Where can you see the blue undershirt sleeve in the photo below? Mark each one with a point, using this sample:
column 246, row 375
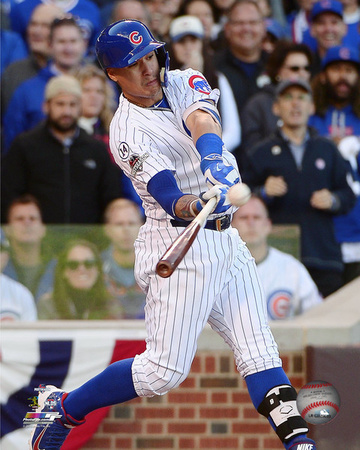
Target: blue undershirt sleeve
column 164, row 189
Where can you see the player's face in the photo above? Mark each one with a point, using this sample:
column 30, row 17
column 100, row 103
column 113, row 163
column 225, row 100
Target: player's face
column 296, row 65
column 93, row 97
column 342, row 79
column 63, row 112
column 245, row 29
column 81, row 270
column 68, row 47
column 294, row 106
column 25, row 224
column 140, row 82
column 328, row 29
column 252, row 222
column 122, row 228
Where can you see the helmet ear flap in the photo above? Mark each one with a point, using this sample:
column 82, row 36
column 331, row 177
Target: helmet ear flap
column 164, row 63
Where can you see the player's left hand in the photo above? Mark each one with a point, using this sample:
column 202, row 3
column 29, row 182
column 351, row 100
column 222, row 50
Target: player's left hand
column 220, row 192
column 217, row 172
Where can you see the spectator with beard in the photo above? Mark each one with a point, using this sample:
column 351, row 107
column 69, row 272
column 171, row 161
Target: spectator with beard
column 337, row 105
column 24, row 109
column 68, row 171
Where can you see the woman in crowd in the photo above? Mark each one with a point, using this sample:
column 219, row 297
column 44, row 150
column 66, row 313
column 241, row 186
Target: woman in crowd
column 288, row 60
column 79, row 289
column 97, row 102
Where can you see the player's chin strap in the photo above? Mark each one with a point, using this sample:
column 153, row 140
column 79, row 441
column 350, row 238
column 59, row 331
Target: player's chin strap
column 279, row 405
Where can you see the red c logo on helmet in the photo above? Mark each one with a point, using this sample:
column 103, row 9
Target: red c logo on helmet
column 135, row 38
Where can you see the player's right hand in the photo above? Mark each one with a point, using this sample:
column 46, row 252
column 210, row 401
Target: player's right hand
column 217, row 172
column 220, row 192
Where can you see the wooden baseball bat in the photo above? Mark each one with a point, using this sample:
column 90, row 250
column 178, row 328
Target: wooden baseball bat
column 178, row 249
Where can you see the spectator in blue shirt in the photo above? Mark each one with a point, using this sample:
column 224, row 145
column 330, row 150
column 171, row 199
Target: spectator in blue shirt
column 25, row 108
column 337, row 102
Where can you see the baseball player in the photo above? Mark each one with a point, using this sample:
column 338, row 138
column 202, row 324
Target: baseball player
column 166, row 136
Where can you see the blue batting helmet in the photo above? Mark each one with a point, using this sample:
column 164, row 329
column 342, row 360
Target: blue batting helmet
column 124, row 42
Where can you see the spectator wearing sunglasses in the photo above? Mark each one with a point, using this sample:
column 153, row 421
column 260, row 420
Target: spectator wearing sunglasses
column 288, row 60
column 79, row 289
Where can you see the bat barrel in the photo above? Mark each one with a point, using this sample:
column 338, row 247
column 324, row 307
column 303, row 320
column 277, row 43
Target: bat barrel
column 164, row 268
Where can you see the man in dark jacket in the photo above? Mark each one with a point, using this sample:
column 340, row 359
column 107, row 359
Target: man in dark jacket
column 243, row 60
column 303, row 179
column 68, row 171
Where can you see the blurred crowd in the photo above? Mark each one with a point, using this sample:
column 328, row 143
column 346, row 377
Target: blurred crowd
column 289, row 76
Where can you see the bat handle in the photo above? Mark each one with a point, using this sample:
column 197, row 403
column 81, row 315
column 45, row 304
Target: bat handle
column 201, row 218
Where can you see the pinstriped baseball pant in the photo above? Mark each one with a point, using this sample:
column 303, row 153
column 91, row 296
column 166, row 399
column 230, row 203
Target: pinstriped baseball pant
column 216, row 282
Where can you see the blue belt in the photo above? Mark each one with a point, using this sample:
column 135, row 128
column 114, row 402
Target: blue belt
column 219, row 224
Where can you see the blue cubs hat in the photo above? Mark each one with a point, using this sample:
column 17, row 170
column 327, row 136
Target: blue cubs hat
column 341, row 53
column 323, row 6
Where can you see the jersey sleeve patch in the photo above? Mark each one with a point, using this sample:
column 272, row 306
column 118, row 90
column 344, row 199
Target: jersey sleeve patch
column 199, row 84
column 136, row 162
column 123, row 151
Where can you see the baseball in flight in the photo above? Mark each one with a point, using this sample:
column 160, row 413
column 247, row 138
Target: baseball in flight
column 239, row 194
column 318, row 402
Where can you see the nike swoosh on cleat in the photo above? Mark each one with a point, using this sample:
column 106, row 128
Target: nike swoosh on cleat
column 38, row 439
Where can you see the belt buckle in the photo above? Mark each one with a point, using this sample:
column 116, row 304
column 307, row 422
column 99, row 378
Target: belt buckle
column 222, row 223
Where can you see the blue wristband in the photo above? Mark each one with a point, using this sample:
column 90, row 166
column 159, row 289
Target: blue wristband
column 208, row 144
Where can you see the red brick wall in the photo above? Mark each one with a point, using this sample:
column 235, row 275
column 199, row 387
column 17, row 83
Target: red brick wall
column 210, row 410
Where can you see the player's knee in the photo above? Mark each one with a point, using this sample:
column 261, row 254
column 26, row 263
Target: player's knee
column 154, row 379
column 168, row 381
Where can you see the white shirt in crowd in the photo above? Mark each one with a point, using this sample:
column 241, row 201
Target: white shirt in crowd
column 17, row 302
column 289, row 289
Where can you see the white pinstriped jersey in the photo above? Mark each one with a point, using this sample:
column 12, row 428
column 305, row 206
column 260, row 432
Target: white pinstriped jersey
column 145, row 141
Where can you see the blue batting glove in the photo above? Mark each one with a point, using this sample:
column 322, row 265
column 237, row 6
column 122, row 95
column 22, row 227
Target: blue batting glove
column 218, row 191
column 216, row 171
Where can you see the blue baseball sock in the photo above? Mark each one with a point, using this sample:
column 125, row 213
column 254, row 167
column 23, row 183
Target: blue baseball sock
column 113, row 385
column 260, row 383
